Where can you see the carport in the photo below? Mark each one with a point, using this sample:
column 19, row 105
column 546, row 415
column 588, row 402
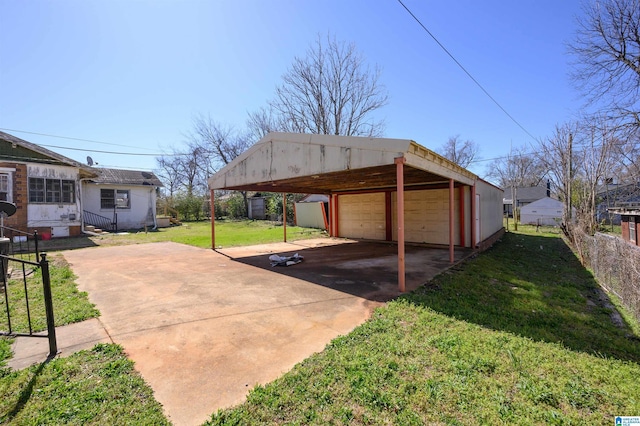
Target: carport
column 379, row 189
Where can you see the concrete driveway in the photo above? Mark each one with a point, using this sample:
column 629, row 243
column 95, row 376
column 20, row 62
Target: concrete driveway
column 204, row 327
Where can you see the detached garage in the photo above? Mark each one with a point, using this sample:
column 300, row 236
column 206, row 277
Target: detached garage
column 378, row 189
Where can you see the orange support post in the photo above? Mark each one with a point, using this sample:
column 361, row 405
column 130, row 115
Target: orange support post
column 451, row 216
column 400, row 212
column 463, row 231
column 473, row 217
column 213, row 222
column 284, row 216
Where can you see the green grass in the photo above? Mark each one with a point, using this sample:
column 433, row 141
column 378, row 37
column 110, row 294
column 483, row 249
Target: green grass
column 517, row 335
column 69, row 304
column 96, row 387
column 228, row 234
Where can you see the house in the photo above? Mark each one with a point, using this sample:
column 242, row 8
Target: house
column 378, row 189
column 312, row 211
column 612, row 195
column 43, row 185
column 545, row 211
column 120, row 199
column 55, row 195
column 524, row 195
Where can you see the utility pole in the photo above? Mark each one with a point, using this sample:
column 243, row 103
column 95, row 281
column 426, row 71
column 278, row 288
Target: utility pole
column 570, row 167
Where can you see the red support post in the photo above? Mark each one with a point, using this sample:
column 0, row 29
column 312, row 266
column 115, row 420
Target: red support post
column 451, row 216
column 400, row 213
column 463, row 231
column 213, row 222
column 284, row 216
column 473, row 217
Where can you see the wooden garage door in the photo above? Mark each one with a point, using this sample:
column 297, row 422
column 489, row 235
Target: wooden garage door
column 426, row 216
column 362, row 216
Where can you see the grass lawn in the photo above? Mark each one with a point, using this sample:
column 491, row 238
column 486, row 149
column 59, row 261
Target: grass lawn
column 518, row 335
column 228, row 234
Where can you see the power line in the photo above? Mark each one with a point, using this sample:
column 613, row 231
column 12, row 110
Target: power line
column 465, row 70
column 71, row 138
column 107, row 152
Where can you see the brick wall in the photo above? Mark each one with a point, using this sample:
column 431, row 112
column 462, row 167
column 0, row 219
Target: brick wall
column 20, row 196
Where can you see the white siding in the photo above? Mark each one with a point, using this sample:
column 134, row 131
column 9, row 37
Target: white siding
column 547, row 211
column 362, row 216
column 142, row 203
column 60, row 216
column 310, row 215
column 490, row 209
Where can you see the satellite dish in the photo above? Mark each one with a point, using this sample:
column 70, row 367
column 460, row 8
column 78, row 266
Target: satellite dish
column 7, row 208
column 89, row 161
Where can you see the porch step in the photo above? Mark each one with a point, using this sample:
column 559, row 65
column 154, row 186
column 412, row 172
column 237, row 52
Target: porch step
column 90, row 228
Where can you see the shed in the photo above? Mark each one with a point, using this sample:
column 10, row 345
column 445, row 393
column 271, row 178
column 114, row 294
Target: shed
column 545, row 211
column 378, row 188
column 630, row 219
column 312, row 211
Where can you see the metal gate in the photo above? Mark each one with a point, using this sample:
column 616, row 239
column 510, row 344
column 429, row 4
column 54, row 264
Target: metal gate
column 20, row 260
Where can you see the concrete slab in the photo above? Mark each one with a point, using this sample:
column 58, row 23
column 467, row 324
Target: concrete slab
column 204, row 327
column 70, row 339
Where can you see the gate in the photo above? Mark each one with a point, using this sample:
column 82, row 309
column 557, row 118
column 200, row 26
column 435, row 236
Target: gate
column 20, row 260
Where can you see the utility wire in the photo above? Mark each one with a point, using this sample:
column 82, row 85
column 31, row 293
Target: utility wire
column 108, row 152
column 465, row 70
column 71, row 138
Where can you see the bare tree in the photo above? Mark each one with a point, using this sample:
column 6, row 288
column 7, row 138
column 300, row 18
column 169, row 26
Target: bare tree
column 555, row 153
column 168, row 172
column 460, row 152
column 606, row 54
column 220, row 144
column 519, row 168
column 330, row 91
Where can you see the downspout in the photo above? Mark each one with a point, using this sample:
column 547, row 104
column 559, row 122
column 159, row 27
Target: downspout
column 80, row 203
column 151, row 206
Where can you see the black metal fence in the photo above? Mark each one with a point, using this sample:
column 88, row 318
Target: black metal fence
column 20, row 259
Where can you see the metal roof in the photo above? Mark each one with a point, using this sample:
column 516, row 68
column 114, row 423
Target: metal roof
column 325, row 164
column 126, row 177
column 23, row 151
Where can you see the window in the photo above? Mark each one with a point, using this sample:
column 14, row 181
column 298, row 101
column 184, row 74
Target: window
column 632, row 229
column 52, row 191
column 53, row 194
column 68, row 191
column 36, row 190
column 118, row 198
column 4, row 187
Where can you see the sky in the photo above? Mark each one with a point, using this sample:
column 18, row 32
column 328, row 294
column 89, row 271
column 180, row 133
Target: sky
column 130, row 76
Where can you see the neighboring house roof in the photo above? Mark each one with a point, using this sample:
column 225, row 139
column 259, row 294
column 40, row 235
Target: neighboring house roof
column 126, row 177
column 527, row 194
column 15, row 149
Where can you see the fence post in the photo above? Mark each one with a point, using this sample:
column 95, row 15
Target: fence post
column 48, row 304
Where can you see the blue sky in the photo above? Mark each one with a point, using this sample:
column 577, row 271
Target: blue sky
column 135, row 73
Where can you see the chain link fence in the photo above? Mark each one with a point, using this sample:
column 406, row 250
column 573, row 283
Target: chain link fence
column 615, row 264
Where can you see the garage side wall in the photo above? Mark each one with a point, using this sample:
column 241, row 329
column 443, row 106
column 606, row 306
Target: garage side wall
column 490, row 199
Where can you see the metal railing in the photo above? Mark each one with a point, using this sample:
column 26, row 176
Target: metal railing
column 13, row 285
column 20, row 242
column 100, row 222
